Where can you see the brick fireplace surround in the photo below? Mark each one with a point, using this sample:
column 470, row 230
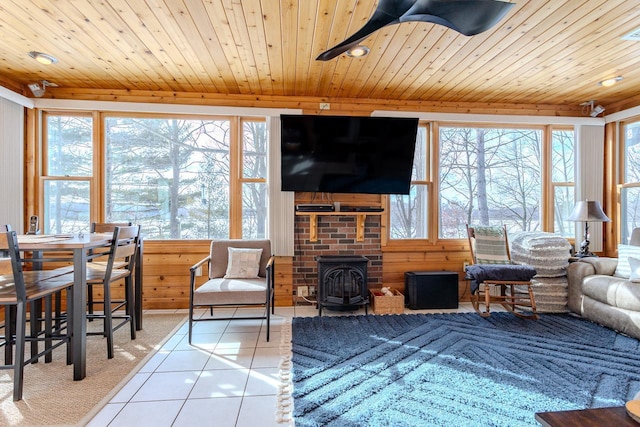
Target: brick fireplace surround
column 336, row 236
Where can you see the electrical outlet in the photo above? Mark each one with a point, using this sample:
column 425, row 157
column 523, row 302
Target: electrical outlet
column 325, row 106
column 199, row 271
column 312, row 290
column 303, row 291
column 465, row 265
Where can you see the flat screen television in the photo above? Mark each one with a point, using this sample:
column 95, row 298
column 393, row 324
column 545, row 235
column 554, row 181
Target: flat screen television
column 342, row 154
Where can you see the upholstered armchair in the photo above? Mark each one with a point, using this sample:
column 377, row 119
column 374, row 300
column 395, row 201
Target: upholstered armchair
column 240, row 273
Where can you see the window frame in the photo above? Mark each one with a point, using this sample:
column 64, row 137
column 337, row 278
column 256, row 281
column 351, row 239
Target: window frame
column 427, row 182
column 433, row 141
column 550, row 183
column 43, row 175
column 97, row 180
column 622, row 184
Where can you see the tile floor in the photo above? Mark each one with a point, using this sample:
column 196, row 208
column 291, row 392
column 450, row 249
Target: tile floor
column 227, row 377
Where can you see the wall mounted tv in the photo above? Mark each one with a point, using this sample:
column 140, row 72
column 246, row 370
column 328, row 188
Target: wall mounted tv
column 341, row 154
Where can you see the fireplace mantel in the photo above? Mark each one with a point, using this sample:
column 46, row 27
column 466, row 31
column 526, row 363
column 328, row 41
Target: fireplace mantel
column 313, row 222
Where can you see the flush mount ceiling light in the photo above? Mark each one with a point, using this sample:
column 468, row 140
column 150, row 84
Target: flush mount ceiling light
column 610, row 82
column 43, row 58
column 358, row 51
column 468, row 17
column 39, row 88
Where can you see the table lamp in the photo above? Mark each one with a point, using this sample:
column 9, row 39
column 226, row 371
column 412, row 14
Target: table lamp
column 587, row 211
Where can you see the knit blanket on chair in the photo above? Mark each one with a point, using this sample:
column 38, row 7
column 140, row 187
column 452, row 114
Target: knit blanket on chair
column 478, row 273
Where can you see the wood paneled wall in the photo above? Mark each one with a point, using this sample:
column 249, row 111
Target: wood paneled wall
column 166, row 263
column 166, row 273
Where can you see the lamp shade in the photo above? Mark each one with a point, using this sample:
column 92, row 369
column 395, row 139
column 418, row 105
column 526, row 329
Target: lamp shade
column 588, row 211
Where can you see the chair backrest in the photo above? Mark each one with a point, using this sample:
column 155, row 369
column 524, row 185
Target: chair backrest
column 220, row 255
column 107, row 227
column 489, row 245
column 123, row 248
column 11, row 266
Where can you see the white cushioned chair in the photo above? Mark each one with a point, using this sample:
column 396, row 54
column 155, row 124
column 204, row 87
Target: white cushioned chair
column 240, row 273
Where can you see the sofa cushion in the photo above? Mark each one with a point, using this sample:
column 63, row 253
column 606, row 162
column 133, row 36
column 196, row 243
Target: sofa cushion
column 634, row 264
column 613, row 291
column 624, row 252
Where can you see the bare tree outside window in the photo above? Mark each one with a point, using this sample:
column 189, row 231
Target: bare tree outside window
column 173, row 176
column 409, row 213
column 254, row 172
column 489, row 177
column 562, row 180
column 630, row 192
column 68, row 173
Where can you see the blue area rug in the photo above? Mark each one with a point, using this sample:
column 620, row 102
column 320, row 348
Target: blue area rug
column 455, row 369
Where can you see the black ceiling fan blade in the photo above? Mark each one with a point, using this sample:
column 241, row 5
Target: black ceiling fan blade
column 468, row 17
column 387, row 12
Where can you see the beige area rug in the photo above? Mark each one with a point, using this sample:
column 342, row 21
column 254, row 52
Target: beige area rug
column 52, row 398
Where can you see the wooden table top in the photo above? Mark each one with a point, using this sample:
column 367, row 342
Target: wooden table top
column 609, row 417
column 31, row 242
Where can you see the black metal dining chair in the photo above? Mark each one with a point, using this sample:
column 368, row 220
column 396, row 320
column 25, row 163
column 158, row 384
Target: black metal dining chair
column 18, row 289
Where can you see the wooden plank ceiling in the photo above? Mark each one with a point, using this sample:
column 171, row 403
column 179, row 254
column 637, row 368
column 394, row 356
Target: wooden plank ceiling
column 543, row 52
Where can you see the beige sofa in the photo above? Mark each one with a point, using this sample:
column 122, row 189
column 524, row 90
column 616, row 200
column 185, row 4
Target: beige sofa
column 596, row 294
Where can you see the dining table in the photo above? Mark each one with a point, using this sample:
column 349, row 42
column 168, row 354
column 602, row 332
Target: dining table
column 79, row 249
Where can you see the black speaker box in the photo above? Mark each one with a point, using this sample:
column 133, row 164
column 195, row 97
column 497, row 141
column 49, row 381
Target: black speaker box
column 431, row 289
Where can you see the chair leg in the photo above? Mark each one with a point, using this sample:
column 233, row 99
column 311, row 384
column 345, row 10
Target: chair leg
column 90, row 301
column 533, row 301
column 58, row 311
column 35, row 325
column 190, row 321
column 70, row 319
column 9, row 330
column 131, row 310
column 18, row 366
column 108, row 322
column 48, row 332
column 487, row 298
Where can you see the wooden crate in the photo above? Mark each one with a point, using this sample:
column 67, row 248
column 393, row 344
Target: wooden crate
column 382, row 304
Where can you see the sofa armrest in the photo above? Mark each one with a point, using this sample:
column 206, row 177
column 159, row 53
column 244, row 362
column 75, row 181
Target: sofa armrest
column 576, row 272
column 602, row 265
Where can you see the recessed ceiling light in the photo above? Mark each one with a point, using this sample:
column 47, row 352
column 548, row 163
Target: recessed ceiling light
column 43, row 58
column 358, row 51
column 633, row 35
column 610, row 82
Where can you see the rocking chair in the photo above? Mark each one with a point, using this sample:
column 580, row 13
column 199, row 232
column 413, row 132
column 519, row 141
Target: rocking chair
column 494, row 279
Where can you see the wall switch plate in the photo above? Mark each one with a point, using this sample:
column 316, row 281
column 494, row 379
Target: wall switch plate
column 325, row 106
column 312, row 290
column 199, row 271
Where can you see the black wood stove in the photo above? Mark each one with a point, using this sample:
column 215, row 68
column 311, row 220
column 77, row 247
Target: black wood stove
column 342, row 282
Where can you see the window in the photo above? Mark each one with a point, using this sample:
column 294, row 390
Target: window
column 489, row 176
column 630, row 191
column 179, row 178
column 562, row 181
column 409, row 213
column 67, row 173
column 254, row 183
